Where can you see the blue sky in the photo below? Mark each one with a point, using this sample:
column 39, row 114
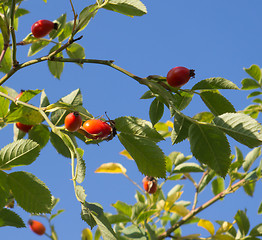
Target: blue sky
column 216, row 38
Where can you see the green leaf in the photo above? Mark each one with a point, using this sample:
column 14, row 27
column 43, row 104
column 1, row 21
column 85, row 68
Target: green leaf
column 30, row 193
column 181, row 100
column 9, row 218
column 148, row 156
column 249, row 84
column 123, row 208
column 94, row 212
column 61, row 23
column 180, row 130
column 206, row 179
column 74, row 98
column 216, row 103
column 135, row 232
column 4, row 189
column 4, row 30
column 137, row 127
column 206, row 117
column 85, row 16
column 215, row 83
column 218, row 185
column 241, row 127
column 188, row 167
column 250, row 188
column 67, row 30
column 44, row 102
column 80, row 193
column 56, row 68
column 80, row 166
column 254, row 94
column 24, row 115
column 118, row 218
column 56, row 214
column 37, row 46
column 4, row 103
column 127, row 7
column 256, row 231
column 147, row 95
column 59, row 144
column 242, row 222
column 156, row 111
column 76, row 51
column 251, row 157
column 6, row 63
column 210, row 146
column 143, row 216
column 259, row 211
column 254, row 71
column 137, row 209
column 18, row 153
column 151, row 231
column 39, row 134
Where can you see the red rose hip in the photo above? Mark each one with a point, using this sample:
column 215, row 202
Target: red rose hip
column 150, row 184
column 73, row 121
column 179, row 76
column 36, row 227
column 42, row 27
column 23, row 127
column 97, row 127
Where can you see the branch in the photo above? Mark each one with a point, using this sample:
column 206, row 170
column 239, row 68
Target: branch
column 12, row 16
column 193, row 212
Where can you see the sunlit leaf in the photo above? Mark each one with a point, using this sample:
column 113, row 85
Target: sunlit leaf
column 215, row 83
column 111, row 168
column 207, row 225
column 126, row 154
column 254, row 71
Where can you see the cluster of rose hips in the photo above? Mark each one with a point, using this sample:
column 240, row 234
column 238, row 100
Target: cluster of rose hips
column 92, row 128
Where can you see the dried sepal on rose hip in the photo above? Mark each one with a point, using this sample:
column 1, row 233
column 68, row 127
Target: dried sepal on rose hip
column 150, row 184
column 73, row 121
column 42, row 27
column 179, row 76
column 36, row 226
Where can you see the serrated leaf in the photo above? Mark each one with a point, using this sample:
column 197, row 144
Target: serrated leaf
column 251, row 157
column 76, row 51
column 4, row 103
column 10, row 218
column 156, row 111
column 242, row 222
column 127, row 7
column 210, row 146
column 137, row 127
column 96, row 213
column 207, row 225
column 123, row 208
column 218, row 185
column 30, row 192
column 59, row 144
column 206, row 117
column 180, row 130
column 39, row 134
column 241, row 127
column 80, row 165
column 181, row 100
column 74, row 98
column 37, row 46
column 80, row 193
column 249, row 84
column 148, row 156
column 61, row 23
column 188, row 167
column 214, row 83
column 111, row 168
column 56, row 68
column 254, row 71
column 44, row 102
column 216, row 103
column 18, row 153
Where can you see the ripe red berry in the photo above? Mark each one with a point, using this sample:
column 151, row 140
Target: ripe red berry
column 23, row 127
column 19, row 95
column 97, row 127
column 36, row 227
column 42, row 27
column 73, row 121
column 150, row 184
column 179, row 76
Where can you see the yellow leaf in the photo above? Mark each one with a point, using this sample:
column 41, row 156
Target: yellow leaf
column 111, row 168
column 169, row 124
column 225, row 226
column 207, row 225
column 179, row 209
column 223, row 237
column 86, row 234
column 126, row 154
column 171, row 199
